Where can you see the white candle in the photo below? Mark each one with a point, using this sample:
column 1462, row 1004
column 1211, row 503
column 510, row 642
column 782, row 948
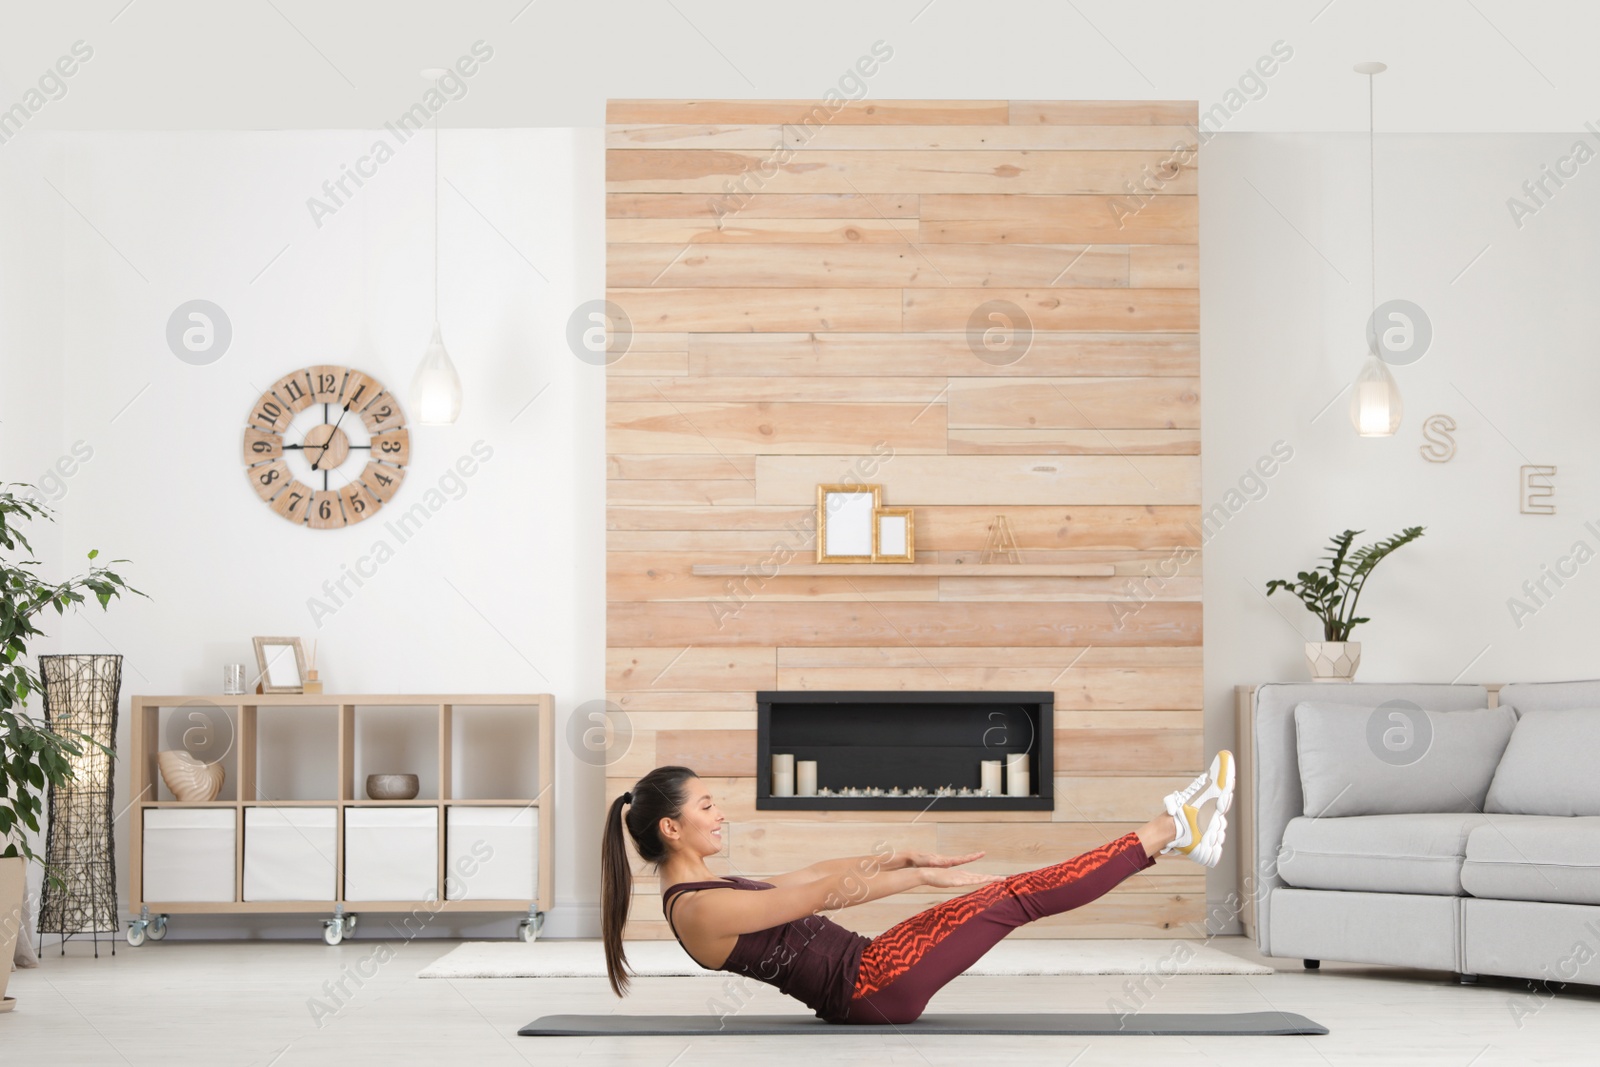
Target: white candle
column 783, row 785
column 782, row 763
column 1017, row 784
column 806, row 777
column 989, row 771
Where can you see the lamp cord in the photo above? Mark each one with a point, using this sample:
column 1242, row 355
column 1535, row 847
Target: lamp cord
column 436, row 219
column 1372, row 194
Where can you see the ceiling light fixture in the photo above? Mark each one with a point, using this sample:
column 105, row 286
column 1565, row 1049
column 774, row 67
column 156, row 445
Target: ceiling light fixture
column 436, row 387
column 1375, row 406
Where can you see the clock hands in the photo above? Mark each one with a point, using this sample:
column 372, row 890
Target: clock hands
column 329, row 441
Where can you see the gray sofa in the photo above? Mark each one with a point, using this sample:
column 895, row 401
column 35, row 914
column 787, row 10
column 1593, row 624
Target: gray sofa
column 1481, row 856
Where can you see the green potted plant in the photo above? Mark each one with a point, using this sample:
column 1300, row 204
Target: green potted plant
column 1330, row 591
column 33, row 757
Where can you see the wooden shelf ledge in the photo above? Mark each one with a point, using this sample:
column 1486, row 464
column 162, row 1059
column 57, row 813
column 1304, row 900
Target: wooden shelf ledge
column 924, row 570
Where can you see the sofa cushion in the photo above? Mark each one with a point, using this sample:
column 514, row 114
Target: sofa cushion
column 1396, row 759
column 1546, row 768
column 1534, row 857
column 1419, row 853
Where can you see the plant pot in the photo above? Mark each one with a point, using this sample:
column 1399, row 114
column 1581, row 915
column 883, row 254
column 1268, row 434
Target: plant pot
column 1333, row 661
column 13, row 885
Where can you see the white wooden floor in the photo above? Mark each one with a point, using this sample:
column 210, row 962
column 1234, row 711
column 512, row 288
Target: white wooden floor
column 208, row 1003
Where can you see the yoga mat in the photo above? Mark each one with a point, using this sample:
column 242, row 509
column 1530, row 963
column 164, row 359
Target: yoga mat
column 1250, row 1023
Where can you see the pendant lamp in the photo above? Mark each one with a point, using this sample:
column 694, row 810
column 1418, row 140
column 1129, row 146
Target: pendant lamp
column 436, row 387
column 1375, row 406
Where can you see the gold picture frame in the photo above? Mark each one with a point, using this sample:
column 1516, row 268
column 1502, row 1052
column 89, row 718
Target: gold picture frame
column 847, row 523
column 894, row 535
column 275, row 673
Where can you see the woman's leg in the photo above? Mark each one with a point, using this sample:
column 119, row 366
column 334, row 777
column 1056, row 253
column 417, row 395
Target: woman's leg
column 907, row 964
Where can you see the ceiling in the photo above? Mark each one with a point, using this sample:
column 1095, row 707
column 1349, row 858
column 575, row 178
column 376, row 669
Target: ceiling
column 1454, row 65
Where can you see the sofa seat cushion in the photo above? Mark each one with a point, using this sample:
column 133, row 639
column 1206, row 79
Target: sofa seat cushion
column 1419, row 853
column 1550, row 858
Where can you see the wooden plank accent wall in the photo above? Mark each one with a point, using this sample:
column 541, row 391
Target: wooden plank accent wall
column 799, row 293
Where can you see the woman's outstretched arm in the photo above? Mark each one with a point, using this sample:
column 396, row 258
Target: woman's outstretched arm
column 731, row 912
column 895, row 860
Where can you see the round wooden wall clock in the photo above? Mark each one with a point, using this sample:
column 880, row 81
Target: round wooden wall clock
column 326, row 446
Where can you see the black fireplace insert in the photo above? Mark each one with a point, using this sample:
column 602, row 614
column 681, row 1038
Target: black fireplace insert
column 906, row 751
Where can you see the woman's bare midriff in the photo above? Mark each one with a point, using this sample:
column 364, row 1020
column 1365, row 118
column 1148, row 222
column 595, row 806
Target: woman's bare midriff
column 709, row 952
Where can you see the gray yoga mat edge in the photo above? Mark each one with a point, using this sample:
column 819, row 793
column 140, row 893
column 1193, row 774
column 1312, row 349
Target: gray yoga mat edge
column 1254, row 1023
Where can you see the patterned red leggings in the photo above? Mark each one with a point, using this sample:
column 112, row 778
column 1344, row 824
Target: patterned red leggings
column 907, row 964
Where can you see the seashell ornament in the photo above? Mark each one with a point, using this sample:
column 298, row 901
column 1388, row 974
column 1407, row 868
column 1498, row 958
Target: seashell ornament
column 189, row 779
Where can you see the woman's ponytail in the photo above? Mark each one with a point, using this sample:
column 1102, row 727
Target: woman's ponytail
column 659, row 795
column 616, row 887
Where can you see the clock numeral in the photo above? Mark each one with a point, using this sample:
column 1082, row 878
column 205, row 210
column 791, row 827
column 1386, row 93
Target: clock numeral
column 392, row 447
column 326, row 514
column 358, row 503
column 291, row 389
column 270, row 414
column 382, row 414
column 260, row 446
column 327, row 383
column 293, row 502
column 270, row 478
column 382, row 480
column 359, row 391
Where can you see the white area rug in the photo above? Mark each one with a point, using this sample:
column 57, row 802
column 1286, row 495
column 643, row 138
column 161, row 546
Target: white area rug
column 585, row 959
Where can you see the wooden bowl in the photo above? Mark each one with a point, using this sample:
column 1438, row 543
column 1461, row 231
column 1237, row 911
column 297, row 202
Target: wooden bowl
column 391, row 786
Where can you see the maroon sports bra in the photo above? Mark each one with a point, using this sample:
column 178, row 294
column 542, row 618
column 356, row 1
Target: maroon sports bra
column 813, row 959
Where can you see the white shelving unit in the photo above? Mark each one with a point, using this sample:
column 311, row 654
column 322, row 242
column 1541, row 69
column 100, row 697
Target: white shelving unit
column 199, row 840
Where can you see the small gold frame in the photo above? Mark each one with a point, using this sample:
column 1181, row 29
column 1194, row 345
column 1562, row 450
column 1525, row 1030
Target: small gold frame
column 855, row 523
column 883, row 552
column 262, row 664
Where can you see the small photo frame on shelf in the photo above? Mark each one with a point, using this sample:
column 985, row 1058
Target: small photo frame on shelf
column 893, row 536
column 281, row 662
column 845, row 525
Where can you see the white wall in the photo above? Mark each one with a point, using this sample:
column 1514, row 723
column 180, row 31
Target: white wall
column 495, row 593
column 1513, row 361
column 1284, row 300
column 194, row 64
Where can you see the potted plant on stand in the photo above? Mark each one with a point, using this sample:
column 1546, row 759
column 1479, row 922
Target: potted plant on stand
column 1330, row 592
column 33, row 757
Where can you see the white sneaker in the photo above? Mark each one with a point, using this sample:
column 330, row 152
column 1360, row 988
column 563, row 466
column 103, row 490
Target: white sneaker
column 1203, row 846
column 1217, row 783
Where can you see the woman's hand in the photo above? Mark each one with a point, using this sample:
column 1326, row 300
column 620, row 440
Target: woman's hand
column 945, row 878
column 933, row 859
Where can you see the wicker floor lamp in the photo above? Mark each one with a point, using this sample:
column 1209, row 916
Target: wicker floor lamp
column 80, row 694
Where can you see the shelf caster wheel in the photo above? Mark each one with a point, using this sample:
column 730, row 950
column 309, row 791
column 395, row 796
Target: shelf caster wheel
column 158, row 928
column 350, row 924
column 1312, row 965
column 333, row 931
column 136, row 932
column 528, row 929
